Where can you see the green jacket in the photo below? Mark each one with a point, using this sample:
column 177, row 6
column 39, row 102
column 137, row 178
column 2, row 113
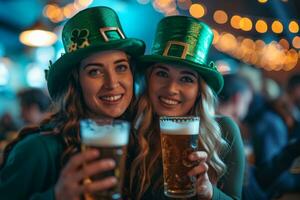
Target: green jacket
column 32, row 169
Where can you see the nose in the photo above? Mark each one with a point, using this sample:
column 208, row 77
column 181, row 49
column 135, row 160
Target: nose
column 111, row 81
column 172, row 87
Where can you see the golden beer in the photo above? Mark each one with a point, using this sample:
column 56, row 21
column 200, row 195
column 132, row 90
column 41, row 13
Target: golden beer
column 179, row 138
column 111, row 141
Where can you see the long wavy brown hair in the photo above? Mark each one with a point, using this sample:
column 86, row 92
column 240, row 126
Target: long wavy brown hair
column 68, row 108
column 147, row 161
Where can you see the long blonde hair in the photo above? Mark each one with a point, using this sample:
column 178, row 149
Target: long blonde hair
column 147, row 159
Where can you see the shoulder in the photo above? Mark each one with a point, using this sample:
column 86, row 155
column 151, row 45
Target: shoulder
column 37, row 147
column 31, row 167
column 229, row 128
column 271, row 115
column 39, row 141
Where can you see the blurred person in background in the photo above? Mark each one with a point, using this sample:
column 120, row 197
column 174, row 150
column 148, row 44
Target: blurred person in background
column 272, row 125
column 34, row 105
column 7, row 125
column 289, row 106
column 235, row 97
column 234, row 101
column 236, row 94
column 8, row 131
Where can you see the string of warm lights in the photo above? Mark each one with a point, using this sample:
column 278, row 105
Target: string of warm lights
column 273, row 56
column 56, row 14
column 253, row 52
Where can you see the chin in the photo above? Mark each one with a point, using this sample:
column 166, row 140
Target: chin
column 170, row 114
column 115, row 114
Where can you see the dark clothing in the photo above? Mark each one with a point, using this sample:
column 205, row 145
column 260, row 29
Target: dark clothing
column 32, row 169
column 251, row 188
column 269, row 135
column 268, row 130
column 230, row 185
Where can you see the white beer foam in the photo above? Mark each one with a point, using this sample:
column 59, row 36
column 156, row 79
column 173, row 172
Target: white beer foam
column 176, row 126
column 104, row 135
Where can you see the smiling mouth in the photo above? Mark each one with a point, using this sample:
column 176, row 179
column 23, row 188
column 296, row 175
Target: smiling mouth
column 111, row 98
column 169, row 102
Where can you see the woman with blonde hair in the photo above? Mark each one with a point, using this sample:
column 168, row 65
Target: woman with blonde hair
column 179, row 82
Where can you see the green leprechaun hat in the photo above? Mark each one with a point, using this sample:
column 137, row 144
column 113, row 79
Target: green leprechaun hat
column 91, row 30
column 185, row 41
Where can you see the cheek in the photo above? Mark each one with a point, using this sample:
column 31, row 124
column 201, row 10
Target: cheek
column 191, row 93
column 90, row 87
column 127, row 82
column 153, row 89
column 155, row 84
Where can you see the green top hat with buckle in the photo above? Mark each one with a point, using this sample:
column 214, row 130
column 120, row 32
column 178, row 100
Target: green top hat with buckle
column 185, row 41
column 91, row 30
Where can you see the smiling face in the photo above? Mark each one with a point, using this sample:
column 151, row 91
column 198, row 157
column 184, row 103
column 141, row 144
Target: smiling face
column 173, row 90
column 107, row 83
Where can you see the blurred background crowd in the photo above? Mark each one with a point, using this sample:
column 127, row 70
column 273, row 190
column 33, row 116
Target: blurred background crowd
column 256, row 46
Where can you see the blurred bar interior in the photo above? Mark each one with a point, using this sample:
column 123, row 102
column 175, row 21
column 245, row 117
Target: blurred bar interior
column 260, row 34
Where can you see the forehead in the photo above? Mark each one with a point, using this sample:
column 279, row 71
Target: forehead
column 105, row 56
column 174, row 67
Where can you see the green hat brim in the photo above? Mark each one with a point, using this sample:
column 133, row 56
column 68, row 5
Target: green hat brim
column 60, row 70
column 213, row 78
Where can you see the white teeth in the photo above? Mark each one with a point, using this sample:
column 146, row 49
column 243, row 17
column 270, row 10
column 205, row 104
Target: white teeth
column 111, row 98
column 169, row 101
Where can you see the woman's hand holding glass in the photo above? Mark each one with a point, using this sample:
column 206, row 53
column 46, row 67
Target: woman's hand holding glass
column 203, row 185
column 71, row 184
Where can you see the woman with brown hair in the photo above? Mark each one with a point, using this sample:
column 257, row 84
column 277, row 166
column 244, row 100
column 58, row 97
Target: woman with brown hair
column 92, row 79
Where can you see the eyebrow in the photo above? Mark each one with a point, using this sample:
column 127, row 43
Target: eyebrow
column 161, row 67
column 189, row 73
column 101, row 65
column 121, row 60
column 181, row 72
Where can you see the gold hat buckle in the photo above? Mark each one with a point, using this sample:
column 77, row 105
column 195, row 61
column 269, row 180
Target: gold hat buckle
column 105, row 29
column 183, row 44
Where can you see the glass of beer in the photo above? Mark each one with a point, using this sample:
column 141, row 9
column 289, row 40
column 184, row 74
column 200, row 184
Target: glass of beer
column 179, row 138
column 110, row 137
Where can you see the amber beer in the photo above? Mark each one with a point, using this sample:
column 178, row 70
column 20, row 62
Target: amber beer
column 110, row 138
column 179, row 138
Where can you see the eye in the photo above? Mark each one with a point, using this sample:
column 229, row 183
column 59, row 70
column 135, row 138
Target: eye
column 187, row 79
column 122, row 68
column 161, row 73
column 95, row 72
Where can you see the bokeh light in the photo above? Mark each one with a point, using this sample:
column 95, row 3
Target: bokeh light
column 262, row 1
column 4, row 75
column 293, row 27
column 277, row 27
column 197, row 10
column 261, row 26
column 246, row 24
column 220, row 17
column 235, row 21
column 296, row 42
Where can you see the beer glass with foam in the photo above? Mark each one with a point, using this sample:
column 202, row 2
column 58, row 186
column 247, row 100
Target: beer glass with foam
column 110, row 137
column 179, row 138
